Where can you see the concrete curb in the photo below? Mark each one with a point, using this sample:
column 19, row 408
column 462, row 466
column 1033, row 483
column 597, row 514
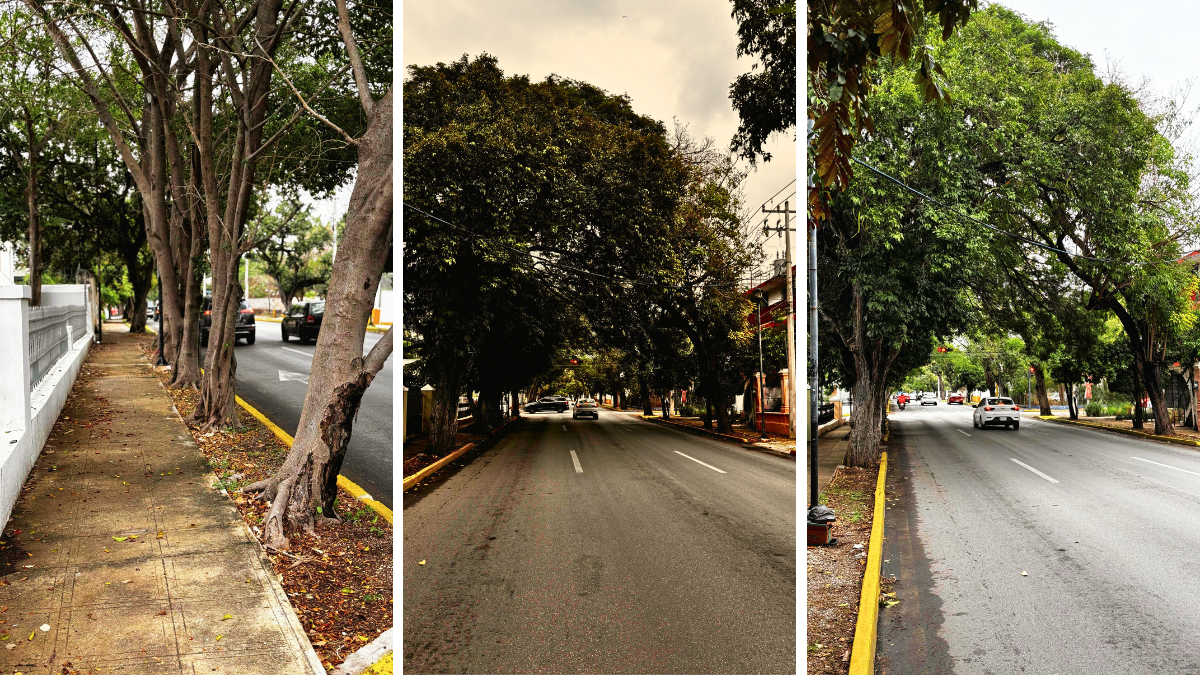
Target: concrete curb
column 1127, row 432
column 727, row 437
column 436, row 466
column 343, row 482
column 862, row 653
column 373, row 659
column 830, row 426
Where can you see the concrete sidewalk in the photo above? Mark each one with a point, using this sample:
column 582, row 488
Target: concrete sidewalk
column 831, row 452
column 120, row 556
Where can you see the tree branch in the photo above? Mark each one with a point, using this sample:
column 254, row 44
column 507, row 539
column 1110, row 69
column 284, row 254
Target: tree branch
column 360, row 74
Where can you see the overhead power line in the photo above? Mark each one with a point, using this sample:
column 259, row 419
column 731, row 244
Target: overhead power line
column 1011, row 235
column 560, row 265
column 780, row 190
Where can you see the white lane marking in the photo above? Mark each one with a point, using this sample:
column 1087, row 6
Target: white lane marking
column 286, row 376
column 699, row 462
column 962, row 432
column 1166, row 465
column 1042, row 433
column 297, row 351
column 1033, row 469
column 578, row 466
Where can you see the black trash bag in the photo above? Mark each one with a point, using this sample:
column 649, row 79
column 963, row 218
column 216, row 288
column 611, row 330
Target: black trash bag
column 821, row 514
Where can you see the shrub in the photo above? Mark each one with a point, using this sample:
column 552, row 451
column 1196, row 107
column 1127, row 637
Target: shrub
column 1094, row 409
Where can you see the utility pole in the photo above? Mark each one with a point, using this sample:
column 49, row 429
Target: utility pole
column 789, row 305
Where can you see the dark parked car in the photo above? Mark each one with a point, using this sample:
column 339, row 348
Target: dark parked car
column 303, row 321
column 586, row 406
column 554, row 403
column 242, row 328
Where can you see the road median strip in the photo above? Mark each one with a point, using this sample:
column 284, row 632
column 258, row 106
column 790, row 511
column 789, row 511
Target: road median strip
column 1119, row 430
column 412, row 480
column 706, row 432
column 862, row 653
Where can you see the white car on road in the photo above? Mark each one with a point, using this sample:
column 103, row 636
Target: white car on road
column 997, row 411
column 929, row 398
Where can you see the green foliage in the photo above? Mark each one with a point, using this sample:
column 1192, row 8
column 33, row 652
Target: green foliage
column 764, row 99
column 297, row 253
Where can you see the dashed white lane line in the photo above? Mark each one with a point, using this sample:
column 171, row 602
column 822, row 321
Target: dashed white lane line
column 699, row 462
column 962, row 432
column 1166, row 465
column 564, row 427
column 578, row 466
column 297, row 351
column 1033, row 470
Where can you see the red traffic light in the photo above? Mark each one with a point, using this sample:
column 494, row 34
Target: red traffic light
column 574, row 362
column 944, row 349
column 1031, row 369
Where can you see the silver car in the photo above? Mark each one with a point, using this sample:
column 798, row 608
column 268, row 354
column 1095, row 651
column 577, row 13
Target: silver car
column 586, row 406
column 996, row 411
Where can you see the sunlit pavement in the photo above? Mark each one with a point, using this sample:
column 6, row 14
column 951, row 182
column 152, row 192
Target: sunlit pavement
column 1052, row 549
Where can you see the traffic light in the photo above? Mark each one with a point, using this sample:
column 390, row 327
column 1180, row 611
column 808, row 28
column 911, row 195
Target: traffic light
column 944, row 349
column 1031, row 369
column 574, row 361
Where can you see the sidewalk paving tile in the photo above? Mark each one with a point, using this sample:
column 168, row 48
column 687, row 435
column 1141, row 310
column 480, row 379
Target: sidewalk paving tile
column 126, row 552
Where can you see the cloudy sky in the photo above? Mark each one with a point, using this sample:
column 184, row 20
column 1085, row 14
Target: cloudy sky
column 675, row 59
column 1145, row 40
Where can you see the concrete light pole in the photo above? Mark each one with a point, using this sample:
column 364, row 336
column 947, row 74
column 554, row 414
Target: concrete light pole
column 789, row 306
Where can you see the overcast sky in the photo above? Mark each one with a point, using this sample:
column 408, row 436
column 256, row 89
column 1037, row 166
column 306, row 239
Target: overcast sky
column 675, row 59
column 1143, row 39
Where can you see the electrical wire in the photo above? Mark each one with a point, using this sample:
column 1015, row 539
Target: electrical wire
column 560, row 265
column 780, row 190
column 1011, row 235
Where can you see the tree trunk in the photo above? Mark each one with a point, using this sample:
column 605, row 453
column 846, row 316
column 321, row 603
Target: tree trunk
column 1137, row 397
column 666, row 404
column 867, row 418
column 307, row 482
column 1043, row 397
column 1158, row 398
column 35, row 228
column 1072, row 408
column 990, row 379
column 490, row 416
column 647, row 409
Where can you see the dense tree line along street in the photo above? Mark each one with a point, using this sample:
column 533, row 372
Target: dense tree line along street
column 566, row 250
column 1000, row 220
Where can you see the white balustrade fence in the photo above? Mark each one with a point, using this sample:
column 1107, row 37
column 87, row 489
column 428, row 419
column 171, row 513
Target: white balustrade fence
column 52, row 331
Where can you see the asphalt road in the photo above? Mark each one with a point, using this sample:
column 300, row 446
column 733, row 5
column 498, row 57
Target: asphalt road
column 272, row 376
column 1053, row 549
column 614, row 545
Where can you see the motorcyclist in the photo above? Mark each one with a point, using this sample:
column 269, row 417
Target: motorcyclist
column 901, row 400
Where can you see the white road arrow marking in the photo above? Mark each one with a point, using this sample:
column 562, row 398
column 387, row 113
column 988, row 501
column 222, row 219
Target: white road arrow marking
column 699, row 462
column 578, row 466
column 1166, row 465
column 1033, row 470
column 285, row 376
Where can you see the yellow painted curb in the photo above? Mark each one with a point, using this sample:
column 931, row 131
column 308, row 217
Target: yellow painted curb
column 413, row 479
column 1127, row 432
column 382, row 667
column 343, row 482
column 862, row 654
